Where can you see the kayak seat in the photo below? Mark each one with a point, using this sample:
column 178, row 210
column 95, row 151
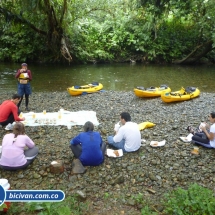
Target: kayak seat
column 77, row 87
column 190, row 89
column 95, row 83
column 140, row 88
column 151, row 89
column 163, row 86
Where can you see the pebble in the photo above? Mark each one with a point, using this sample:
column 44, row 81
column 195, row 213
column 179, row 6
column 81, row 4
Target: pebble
column 81, row 194
column 36, row 176
column 77, row 167
column 152, row 177
column 120, row 179
column 20, row 176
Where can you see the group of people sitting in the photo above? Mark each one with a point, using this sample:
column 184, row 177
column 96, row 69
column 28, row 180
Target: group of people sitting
column 14, row 154
column 87, row 146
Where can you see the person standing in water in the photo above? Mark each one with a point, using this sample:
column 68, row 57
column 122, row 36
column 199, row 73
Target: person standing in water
column 24, row 77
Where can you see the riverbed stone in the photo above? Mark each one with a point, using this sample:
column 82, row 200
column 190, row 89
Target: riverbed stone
column 77, row 167
column 57, row 167
column 81, row 194
column 152, row 177
column 20, row 176
column 36, row 176
column 120, row 179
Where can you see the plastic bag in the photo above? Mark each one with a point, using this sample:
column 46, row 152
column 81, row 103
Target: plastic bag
column 144, row 125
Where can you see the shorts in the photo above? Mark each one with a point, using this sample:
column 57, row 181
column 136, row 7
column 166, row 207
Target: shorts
column 24, row 89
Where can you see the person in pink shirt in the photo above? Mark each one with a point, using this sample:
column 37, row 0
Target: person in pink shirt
column 14, row 156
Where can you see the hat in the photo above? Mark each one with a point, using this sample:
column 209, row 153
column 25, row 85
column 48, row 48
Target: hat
column 24, row 64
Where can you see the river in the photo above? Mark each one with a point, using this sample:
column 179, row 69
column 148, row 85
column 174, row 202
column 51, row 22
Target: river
column 119, row 77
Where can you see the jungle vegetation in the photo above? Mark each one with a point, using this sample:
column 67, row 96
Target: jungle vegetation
column 83, row 31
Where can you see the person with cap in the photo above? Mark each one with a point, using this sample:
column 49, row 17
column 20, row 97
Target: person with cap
column 24, row 77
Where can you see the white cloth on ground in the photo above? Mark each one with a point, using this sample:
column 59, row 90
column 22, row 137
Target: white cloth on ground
column 67, row 118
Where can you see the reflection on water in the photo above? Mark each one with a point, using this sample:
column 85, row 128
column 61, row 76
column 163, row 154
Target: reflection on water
column 112, row 76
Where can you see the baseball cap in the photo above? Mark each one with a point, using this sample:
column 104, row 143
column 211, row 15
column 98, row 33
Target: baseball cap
column 24, row 64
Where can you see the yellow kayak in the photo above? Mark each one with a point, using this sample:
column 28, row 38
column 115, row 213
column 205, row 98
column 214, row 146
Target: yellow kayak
column 89, row 88
column 181, row 95
column 152, row 91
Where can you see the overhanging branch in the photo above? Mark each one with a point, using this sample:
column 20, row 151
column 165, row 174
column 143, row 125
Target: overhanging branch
column 17, row 18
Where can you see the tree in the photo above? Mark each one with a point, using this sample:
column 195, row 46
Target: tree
column 200, row 15
column 113, row 30
column 46, row 17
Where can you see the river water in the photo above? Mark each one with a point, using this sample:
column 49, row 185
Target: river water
column 51, row 77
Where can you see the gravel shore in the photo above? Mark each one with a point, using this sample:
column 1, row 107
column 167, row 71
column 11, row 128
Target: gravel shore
column 157, row 169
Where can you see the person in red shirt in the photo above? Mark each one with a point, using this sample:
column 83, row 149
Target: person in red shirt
column 9, row 111
column 24, row 77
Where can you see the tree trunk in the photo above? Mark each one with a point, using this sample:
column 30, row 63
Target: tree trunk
column 199, row 52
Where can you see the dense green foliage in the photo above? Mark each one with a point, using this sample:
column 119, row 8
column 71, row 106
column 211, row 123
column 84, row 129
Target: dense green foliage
column 196, row 200
column 107, row 31
column 17, row 45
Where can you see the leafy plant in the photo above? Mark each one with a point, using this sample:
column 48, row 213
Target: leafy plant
column 143, row 204
column 138, row 198
column 196, row 200
column 106, row 195
column 69, row 206
column 147, row 211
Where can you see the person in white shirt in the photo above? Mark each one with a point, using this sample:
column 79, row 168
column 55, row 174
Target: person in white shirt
column 127, row 137
column 210, row 136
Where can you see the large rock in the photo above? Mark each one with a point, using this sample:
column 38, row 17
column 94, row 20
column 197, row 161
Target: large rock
column 77, row 167
column 57, row 167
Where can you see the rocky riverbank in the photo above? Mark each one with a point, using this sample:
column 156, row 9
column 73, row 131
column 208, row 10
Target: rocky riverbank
column 150, row 171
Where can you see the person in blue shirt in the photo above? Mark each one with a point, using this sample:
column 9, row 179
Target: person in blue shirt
column 88, row 146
